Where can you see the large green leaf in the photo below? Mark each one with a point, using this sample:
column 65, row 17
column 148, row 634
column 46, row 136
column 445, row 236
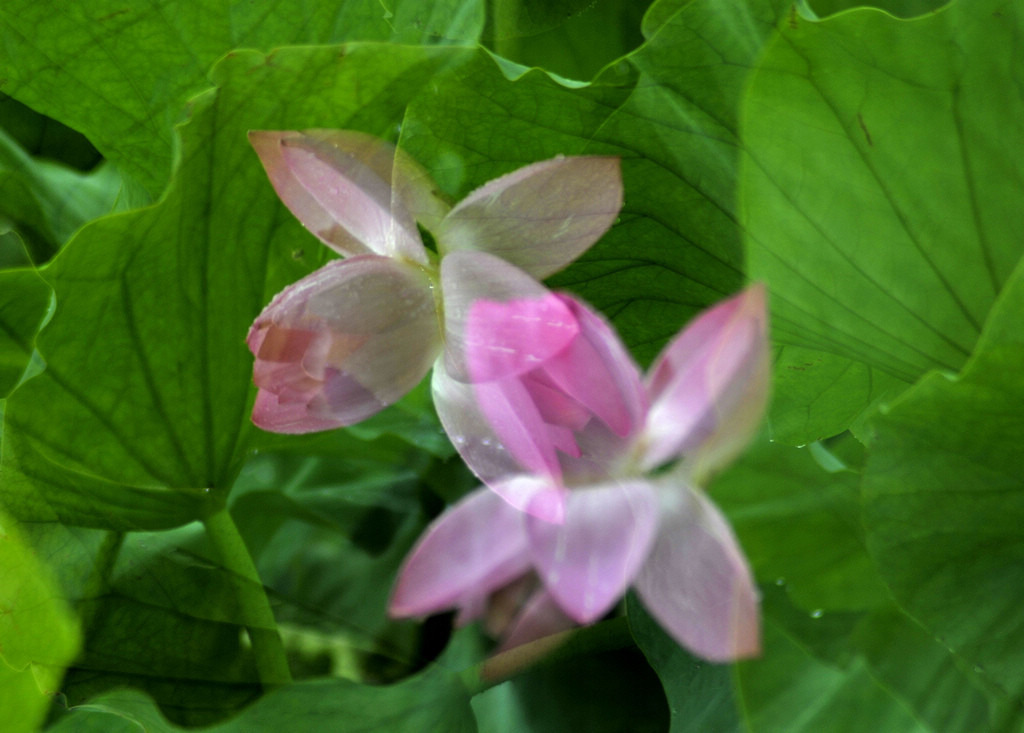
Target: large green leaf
column 794, row 688
column 39, row 635
column 817, row 395
column 433, row 702
column 141, row 416
column 882, row 178
column 820, row 559
column 121, row 73
column 944, row 501
column 677, row 248
column 943, row 690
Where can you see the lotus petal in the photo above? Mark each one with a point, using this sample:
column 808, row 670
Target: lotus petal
column 342, row 343
column 696, row 582
column 469, row 277
column 598, row 372
column 339, row 185
column 507, row 339
column 473, row 549
column 709, row 386
column 541, row 217
column 589, row 560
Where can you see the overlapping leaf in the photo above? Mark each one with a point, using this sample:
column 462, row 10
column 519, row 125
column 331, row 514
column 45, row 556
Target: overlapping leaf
column 882, row 180
column 120, row 72
column 39, row 636
column 434, row 702
column 46, row 202
column 944, row 501
column 816, row 394
column 142, row 412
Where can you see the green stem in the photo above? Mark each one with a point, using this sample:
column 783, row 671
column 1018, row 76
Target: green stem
column 267, row 648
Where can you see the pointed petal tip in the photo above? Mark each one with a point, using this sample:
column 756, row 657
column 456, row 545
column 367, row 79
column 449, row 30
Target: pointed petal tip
column 267, row 143
column 709, row 386
column 262, row 136
column 755, row 301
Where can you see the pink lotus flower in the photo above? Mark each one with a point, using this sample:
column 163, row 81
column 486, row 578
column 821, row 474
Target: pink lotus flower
column 357, row 334
column 594, row 474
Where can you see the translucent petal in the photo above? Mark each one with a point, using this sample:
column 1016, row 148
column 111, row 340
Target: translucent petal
column 342, row 343
column 338, row 184
column 540, row 217
column 468, row 428
column 709, row 387
column 513, row 416
column 468, row 277
column 519, row 492
column 274, row 415
column 473, row 549
column 506, row 339
column 697, row 584
column 598, row 372
column 589, row 560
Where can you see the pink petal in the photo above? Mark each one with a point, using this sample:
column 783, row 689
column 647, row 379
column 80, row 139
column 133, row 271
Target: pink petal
column 513, row 416
column 338, row 184
column 273, row 415
column 486, row 454
column 520, row 491
column 541, row 616
column 696, row 582
column 506, row 339
column 342, row 343
column 540, row 217
column 709, row 387
column 468, row 277
column 474, row 548
column 468, row 428
column 598, row 372
column 587, row 562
